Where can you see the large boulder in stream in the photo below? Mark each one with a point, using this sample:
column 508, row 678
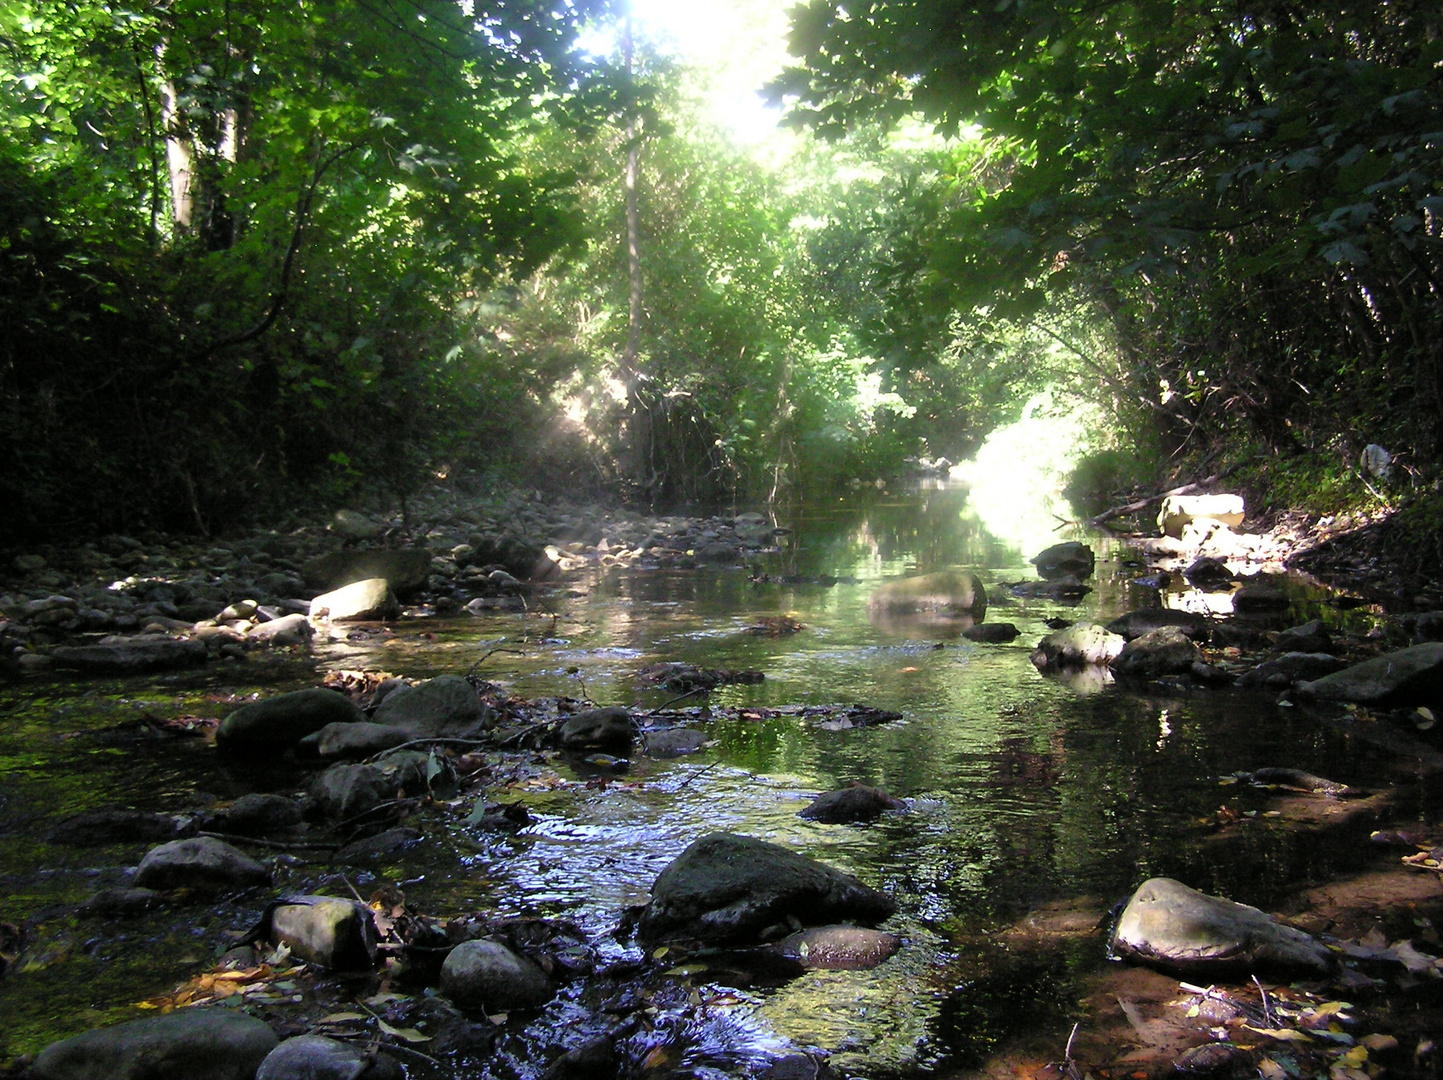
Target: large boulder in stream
column 370, row 600
column 850, row 804
column 215, row 1043
column 597, row 728
column 1168, row 924
column 202, row 863
column 446, row 707
column 948, row 592
column 275, row 723
column 737, row 890
column 1136, row 623
column 1412, row 676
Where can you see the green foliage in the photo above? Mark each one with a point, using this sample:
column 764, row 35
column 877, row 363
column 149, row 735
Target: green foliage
column 238, row 241
column 1249, row 192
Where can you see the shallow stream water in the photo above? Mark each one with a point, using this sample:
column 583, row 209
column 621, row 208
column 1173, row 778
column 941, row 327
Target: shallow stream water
column 1021, row 789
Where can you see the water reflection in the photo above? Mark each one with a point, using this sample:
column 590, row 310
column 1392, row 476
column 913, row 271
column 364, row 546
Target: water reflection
column 1020, row 789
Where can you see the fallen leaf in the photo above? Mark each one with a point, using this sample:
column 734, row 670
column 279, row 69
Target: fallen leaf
column 1281, row 1034
column 1378, row 1042
column 410, row 1035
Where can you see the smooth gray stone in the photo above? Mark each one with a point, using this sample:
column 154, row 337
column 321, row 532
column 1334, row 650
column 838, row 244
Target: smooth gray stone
column 283, row 720
column 486, row 974
column 188, row 1044
column 202, row 863
column 315, row 1057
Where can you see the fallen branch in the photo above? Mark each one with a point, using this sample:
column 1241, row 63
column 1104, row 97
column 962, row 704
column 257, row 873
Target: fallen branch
column 1153, row 500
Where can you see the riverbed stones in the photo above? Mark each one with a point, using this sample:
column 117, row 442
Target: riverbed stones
column 444, row 707
column 215, row 1043
column 736, row 890
column 283, row 720
column 370, row 600
column 1179, row 510
column 1078, row 645
column 484, row 974
column 361, row 739
column 288, row 630
column 1166, row 650
column 839, row 948
column 596, row 729
column 331, row 931
column 1311, row 637
column 316, row 1057
column 1069, row 559
column 347, row 792
column 1136, row 623
column 1412, row 676
column 259, row 814
column 850, row 804
column 201, row 863
column 131, row 655
column 950, row 592
column 1170, row 925
column 1282, row 671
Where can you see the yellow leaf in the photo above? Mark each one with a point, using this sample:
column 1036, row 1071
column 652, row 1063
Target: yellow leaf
column 1281, row 1034
column 341, row 1017
column 1378, row 1043
column 410, row 1035
column 1354, row 1057
column 659, row 953
column 1271, row 1070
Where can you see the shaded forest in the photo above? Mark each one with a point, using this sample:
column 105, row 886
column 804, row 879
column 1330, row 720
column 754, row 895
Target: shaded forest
column 256, row 257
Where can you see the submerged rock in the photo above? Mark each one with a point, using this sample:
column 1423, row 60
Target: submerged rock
column 1169, row 924
column 1077, row 645
column 855, row 803
column 487, row 975
column 1311, row 637
column 956, row 592
column 202, row 863
column 674, row 742
column 1412, row 676
column 727, row 889
column 131, row 656
column 998, row 633
column 315, row 1057
column 215, row 1043
column 277, row 722
column 260, row 814
column 839, row 948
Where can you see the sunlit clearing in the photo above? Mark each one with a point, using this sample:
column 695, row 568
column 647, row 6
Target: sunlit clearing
column 1017, row 476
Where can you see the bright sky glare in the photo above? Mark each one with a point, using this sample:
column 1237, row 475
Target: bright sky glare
column 735, row 45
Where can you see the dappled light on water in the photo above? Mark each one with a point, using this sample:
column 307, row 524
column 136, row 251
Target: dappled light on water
column 1016, row 478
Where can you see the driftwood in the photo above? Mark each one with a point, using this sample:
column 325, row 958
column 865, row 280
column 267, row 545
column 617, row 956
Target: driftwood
column 1152, row 500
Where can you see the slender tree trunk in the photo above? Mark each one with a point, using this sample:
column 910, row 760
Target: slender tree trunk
column 179, row 153
column 638, row 464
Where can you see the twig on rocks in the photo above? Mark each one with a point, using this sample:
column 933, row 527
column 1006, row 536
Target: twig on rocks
column 1267, row 1006
column 425, row 742
column 284, row 845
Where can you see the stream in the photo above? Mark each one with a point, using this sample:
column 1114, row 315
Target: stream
column 1020, row 790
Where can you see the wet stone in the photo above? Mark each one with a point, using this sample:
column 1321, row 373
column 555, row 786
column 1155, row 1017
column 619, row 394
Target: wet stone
column 444, row 707
column 330, row 931
column 674, row 742
column 850, row 804
column 202, row 863
column 839, row 948
column 487, row 975
column 610, row 727
column 315, row 1057
column 259, row 814
column 215, row 1043
column 379, row 848
column 280, row 721
column 119, row 826
column 727, row 889
column 992, row 633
